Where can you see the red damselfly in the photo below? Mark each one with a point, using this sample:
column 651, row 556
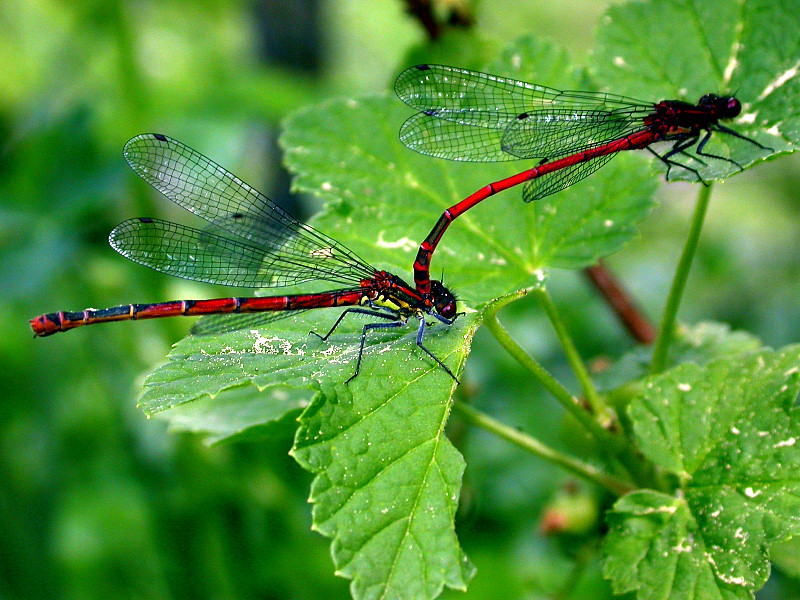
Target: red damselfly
column 252, row 243
column 470, row 116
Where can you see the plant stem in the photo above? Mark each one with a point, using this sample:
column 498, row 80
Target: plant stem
column 616, row 445
column 538, row 371
column 661, row 351
column 534, row 446
column 621, row 302
column 592, row 397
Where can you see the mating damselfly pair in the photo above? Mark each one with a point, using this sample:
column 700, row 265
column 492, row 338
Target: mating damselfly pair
column 463, row 115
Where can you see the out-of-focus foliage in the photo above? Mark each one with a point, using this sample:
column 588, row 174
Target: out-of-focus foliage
column 99, row 503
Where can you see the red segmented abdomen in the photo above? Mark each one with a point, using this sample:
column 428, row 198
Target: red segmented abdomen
column 51, row 323
column 637, row 140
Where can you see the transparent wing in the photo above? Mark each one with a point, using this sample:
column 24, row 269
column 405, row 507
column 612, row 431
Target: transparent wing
column 462, row 111
column 240, row 217
column 201, row 255
column 451, row 140
column 557, row 133
column 213, row 324
column 471, row 97
column 538, row 188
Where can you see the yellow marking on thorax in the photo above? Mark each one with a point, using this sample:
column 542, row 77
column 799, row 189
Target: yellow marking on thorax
column 383, row 301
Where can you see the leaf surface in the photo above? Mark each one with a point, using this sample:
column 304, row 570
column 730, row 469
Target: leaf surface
column 728, row 431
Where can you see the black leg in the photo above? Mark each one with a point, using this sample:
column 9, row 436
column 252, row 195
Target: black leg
column 395, row 322
column 368, row 327
column 445, row 320
column 683, row 144
column 420, row 334
column 693, row 157
column 678, row 148
column 702, row 145
column 360, row 311
column 724, row 129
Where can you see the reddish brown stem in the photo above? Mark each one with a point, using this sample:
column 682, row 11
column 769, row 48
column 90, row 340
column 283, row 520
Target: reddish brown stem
column 621, row 302
column 423, row 10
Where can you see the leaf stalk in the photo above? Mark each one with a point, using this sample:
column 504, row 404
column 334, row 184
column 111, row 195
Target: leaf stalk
column 667, row 330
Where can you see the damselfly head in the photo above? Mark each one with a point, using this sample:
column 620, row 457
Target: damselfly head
column 734, row 107
column 443, row 300
column 724, row 107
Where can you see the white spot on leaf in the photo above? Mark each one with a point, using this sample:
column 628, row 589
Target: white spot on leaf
column 790, row 442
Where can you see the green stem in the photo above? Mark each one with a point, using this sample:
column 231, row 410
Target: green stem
column 589, row 391
column 534, row 446
column 550, row 383
column 616, row 445
column 661, row 351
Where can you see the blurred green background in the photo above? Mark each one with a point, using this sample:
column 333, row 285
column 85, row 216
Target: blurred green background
column 98, row 502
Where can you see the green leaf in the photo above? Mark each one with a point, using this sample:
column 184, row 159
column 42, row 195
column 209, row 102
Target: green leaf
column 225, row 376
column 240, row 413
column 696, row 47
column 466, row 48
column 728, row 431
column 786, row 556
column 386, row 488
column 378, row 439
column 699, row 344
column 654, row 547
